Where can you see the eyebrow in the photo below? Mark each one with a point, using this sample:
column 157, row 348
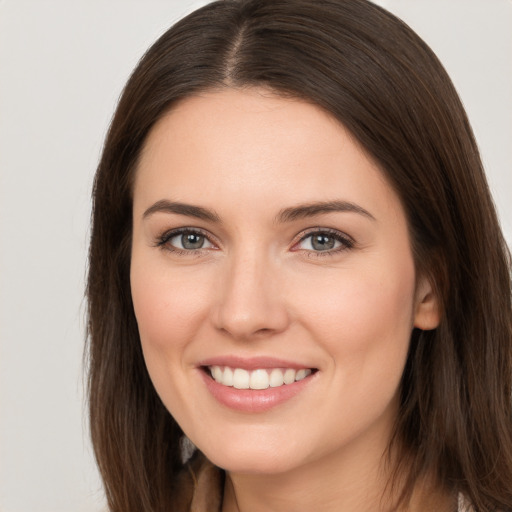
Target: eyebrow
column 189, row 210
column 286, row 215
column 318, row 208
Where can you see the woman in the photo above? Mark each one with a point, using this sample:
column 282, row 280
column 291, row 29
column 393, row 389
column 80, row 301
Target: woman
column 296, row 263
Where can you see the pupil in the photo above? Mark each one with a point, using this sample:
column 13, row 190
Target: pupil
column 192, row 241
column 322, row 242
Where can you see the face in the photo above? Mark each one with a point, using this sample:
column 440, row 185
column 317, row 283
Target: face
column 272, row 280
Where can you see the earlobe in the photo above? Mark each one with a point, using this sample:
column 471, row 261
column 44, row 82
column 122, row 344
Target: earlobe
column 427, row 313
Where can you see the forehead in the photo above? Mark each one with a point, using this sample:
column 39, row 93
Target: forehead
column 231, row 123
column 256, row 147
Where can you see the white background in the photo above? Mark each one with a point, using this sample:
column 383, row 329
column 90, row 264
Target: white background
column 62, row 66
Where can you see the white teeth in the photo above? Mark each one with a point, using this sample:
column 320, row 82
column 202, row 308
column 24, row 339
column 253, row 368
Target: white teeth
column 276, row 378
column 257, row 379
column 289, row 376
column 227, row 378
column 241, row 379
column 216, row 373
column 302, row 374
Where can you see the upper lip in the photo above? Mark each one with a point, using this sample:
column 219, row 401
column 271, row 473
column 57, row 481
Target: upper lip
column 252, row 363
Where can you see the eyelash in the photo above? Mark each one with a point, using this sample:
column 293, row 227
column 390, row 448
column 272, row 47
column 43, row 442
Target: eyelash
column 163, row 241
column 346, row 243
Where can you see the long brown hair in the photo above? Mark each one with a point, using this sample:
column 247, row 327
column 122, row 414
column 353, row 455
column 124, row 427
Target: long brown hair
column 379, row 79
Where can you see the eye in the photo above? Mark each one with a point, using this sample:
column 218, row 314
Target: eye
column 324, row 241
column 185, row 240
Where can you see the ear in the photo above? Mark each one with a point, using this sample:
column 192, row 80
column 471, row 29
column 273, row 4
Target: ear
column 427, row 314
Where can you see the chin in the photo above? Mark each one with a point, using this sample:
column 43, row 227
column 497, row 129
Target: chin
column 260, row 457
column 255, row 464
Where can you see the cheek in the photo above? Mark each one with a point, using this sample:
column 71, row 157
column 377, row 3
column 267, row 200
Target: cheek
column 364, row 317
column 169, row 306
column 364, row 325
column 170, row 310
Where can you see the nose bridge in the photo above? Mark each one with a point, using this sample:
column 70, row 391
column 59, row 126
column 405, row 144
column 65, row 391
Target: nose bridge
column 250, row 301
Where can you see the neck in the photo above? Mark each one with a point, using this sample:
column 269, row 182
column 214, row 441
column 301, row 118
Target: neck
column 355, row 487
column 324, row 484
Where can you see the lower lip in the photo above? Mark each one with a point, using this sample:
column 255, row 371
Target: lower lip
column 254, row 400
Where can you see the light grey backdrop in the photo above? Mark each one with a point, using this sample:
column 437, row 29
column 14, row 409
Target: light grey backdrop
column 62, row 66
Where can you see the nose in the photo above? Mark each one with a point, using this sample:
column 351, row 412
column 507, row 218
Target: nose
column 250, row 301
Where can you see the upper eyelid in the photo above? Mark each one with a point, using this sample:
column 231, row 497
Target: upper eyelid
column 331, row 231
column 167, row 235
column 346, row 242
column 177, row 231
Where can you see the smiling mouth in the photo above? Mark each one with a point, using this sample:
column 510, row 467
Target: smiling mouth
column 258, row 379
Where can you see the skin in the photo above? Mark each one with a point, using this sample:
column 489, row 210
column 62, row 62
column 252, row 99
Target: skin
column 259, row 288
